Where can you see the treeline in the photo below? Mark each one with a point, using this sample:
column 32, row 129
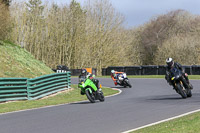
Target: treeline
column 5, row 22
column 89, row 36
column 175, row 34
column 93, row 35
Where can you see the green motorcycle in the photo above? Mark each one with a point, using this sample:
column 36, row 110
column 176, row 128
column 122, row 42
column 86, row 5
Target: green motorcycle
column 90, row 89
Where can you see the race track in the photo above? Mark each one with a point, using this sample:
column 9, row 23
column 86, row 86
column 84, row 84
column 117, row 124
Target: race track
column 148, row 101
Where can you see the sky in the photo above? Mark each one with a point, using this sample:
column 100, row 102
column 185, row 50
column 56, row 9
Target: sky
column 138, row 12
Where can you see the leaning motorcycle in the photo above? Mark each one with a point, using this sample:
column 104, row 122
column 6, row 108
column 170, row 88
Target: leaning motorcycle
column 123, row 80
column 90, row 89
column 177, row 79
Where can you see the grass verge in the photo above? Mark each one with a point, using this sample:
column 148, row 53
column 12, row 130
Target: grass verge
column 72, row 95
column 186, row 124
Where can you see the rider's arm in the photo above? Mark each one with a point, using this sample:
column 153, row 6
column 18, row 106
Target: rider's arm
column 113, row 78
column 119, row 72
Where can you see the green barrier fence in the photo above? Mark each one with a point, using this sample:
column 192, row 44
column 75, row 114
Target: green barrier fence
column 35, row 88
column 13, row 89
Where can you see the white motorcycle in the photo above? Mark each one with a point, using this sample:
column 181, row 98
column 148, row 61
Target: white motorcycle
column 123, row 80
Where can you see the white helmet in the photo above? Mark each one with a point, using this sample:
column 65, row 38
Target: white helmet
column 169, row 62
column 112, row 71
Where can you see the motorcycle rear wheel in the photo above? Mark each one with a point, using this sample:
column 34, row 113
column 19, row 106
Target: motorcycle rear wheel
column 101, row 97
column 128, row 83
column 189, row 93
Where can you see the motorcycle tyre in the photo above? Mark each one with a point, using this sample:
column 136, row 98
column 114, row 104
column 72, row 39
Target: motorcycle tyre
column 189, row 93
column 90, row 97
column 181, row 91
column 128, row 83
column 101, row 97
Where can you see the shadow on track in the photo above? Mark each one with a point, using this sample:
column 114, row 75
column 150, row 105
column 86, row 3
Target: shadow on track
column 166, row 97
column 85, row 102
column 119, row 87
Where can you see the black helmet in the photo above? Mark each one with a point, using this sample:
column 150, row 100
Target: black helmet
column 169, row 62
column 83, row 71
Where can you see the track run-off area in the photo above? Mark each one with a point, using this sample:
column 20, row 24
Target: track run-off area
column 148, row 101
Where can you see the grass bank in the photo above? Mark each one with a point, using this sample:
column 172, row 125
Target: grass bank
column 17, row 62
column 70, row 96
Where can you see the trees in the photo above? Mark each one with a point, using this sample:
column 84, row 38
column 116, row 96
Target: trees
column 5, row 22
column 170, row 35
column 93, row 35
column 6, row 2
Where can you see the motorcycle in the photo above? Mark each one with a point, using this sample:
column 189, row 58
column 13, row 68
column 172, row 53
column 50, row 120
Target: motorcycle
column 123, row 80
column 90, row 89
column 178, row 79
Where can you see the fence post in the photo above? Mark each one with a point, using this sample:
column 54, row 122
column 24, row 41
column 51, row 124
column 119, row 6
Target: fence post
column 28, row 89
column 68, row 79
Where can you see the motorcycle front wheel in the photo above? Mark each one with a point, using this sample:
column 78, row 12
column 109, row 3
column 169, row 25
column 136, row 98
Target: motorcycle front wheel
column 181, row 91
column 90, row 96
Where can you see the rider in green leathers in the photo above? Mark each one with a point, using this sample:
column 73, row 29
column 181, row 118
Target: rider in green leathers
column 86, row 75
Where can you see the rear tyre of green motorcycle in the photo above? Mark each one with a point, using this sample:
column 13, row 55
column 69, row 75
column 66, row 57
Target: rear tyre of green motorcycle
column 90, row 96
column 101, row 97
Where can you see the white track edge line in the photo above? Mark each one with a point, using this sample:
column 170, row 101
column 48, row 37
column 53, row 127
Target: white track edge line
column 120, row 91
column 165, row 120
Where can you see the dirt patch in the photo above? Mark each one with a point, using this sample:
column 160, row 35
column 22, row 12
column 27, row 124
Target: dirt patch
column 54, row 94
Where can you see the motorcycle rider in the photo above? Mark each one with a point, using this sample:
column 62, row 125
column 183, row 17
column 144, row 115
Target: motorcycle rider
column 170, row 65
column 84, row 75
column 115, row 75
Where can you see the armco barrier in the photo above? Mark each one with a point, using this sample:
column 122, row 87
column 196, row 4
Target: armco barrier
column 47, row 84
column 196, row 70
column 13, row 89
column 133, row 70
column 75, row 72
column 162, row 70
column 116, row 68
column 35, row 88
column 188, row 69
column 149, row 70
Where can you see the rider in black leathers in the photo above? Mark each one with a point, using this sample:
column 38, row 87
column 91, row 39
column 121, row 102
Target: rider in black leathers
column 171, row 64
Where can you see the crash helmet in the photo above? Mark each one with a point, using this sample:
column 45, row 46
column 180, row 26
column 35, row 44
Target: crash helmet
column 169, row 62
column 112, row 71
column 83, row 71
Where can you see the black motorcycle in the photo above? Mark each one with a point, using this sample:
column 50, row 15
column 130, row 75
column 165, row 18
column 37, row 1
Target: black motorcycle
column 179, row 80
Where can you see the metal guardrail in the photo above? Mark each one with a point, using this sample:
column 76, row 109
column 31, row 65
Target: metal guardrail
column 149, row 70
column 35, row 88
column 47, row 84
column 13, row 89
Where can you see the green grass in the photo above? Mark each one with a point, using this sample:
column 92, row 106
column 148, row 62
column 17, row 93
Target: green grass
column 186, row 124
column 62, row 98
column 17, row 62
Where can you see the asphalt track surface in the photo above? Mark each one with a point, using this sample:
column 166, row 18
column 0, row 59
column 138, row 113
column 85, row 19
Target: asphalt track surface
column 148, row 101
